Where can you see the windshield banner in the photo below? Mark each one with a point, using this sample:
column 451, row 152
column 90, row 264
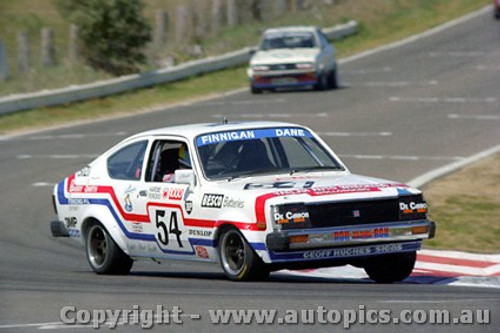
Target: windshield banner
column 251, row 134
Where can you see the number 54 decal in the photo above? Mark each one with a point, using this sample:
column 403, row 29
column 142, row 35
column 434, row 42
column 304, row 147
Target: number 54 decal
column 169, row 227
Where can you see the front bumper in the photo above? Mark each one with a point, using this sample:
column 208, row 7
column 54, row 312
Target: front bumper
column 302, row 239
column 277, row 79
column 58, row 229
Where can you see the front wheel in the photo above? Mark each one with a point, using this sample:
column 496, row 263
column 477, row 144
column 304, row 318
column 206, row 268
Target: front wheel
column 391, row 268
column 322, row 83
column 238, row 259
column 255, row 90
column 103, row 255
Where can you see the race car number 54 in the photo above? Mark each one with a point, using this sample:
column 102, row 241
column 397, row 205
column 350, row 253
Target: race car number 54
column 167, row 226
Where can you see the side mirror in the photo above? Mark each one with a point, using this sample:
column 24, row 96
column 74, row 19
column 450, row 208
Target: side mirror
column 185, row 176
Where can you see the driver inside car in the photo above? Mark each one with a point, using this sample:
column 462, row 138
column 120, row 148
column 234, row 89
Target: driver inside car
column 182, row 161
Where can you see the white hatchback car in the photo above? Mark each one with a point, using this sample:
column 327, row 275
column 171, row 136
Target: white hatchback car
column 254, row 197
column 291, row 57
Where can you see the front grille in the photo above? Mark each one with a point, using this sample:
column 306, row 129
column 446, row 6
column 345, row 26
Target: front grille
column 282, row 67
column 353, row 213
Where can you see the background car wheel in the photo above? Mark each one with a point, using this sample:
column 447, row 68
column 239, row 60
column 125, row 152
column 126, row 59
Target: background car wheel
column 333, row 80
column 237, row 258
column 322, row 83
column 391, row 267
column 104, row 256
column 255, row 90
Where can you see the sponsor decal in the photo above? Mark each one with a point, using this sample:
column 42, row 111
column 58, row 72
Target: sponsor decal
column 212, row 200
column 200, row 233
column 374, row 233
column 279, row 185
column 173, row 193
column 128, row 203
column 201, row 251
column 233, row 203
column 356, row 213
column 291, row 217
column 353, row 251
column 370, row 233
column 251, row 134
column 78, row 201
column 413, row 207
column 188, row 205
column 154, row 193
column 294, row 215
column 82, row 188
column 85, row 172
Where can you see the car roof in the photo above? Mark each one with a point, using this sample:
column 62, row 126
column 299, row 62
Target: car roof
column 191, row 131
column 294, row 28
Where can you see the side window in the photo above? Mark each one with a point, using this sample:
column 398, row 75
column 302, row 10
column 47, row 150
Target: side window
column 127, row 162
column 166, row 157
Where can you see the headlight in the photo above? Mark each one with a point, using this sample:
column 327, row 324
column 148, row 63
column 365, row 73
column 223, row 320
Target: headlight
column 292, row 216
column 304, row 66
column 412, row 207
column 259, row 68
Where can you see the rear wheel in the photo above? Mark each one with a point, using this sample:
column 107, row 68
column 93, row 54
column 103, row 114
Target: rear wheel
column 103, row 255
column 238, row 259
column 391, row 268
column 333, row 79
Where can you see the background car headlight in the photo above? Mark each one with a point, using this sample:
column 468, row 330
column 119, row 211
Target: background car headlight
column 304, row 66
column 260, row 68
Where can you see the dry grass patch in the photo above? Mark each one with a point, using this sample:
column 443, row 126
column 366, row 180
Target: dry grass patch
column 466, row 208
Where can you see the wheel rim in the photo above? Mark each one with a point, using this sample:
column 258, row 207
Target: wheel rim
column 97, row 246
column 233, row 253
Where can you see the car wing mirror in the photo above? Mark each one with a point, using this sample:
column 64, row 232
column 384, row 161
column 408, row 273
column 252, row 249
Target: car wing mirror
column 185, row 177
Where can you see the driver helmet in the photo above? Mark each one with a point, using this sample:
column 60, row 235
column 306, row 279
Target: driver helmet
column 184, row 158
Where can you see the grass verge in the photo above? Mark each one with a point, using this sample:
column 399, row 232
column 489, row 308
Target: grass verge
column 466, row 208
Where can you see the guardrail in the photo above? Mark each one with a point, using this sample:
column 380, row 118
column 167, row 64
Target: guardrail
column 121, row 84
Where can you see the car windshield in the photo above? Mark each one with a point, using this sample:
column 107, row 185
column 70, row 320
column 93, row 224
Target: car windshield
column 288, row 40
column 242, row 153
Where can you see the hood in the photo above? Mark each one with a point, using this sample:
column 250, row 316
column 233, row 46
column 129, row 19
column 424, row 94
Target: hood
column 279, row 56
column 323, row 187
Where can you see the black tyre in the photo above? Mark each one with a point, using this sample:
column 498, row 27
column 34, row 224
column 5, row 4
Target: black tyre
column 103, row 255
column 391, row 267
column 255, row 90
column 333, row 82
column 237, row 258
column 322, row 83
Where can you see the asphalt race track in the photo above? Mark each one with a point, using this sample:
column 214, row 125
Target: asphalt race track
column 399, row 113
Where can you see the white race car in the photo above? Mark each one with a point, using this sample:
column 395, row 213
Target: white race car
column 254, row 197
column 291, row 57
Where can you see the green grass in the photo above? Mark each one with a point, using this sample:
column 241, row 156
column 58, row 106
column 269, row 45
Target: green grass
column 466, row 208
column 467, row 223
column 382, row 21
column 215, row 83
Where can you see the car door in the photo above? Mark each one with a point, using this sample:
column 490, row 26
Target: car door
column 125, row 167
column 163, row 200
column 327, row 53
